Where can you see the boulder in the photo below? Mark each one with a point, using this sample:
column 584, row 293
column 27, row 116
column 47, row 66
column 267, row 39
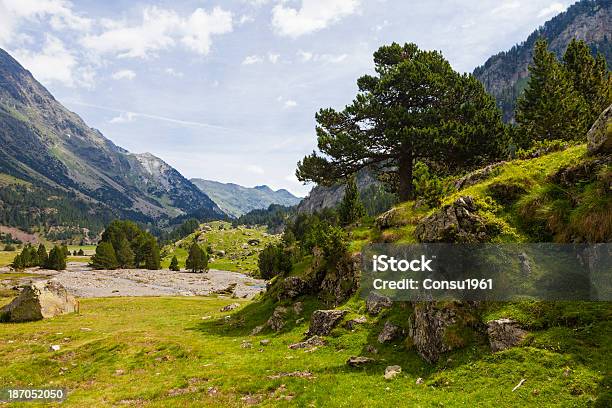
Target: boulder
column 477, row 176
column 599, row 137
column 229, row 307
column 457, row 222
column 358, row 361
column 389, row 332
column 390, row 218
column 277, row 321
column 253, row 241
column 504, row 333
column 392, row 371
column 353, row 323
column 292, row 287
column 38, row 301
column 314, row 341
column 340, row 282
column 323, row 321
column 375, row 303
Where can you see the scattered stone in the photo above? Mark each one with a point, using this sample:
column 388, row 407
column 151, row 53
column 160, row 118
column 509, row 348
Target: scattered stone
column 525, row 264
column 229, row 290
column 253, row 242
column 358, row 361
column 392, row 371
column 353, row 323
column 292, row 287
column 389, row 332
column 246, row 345
column 391, row 218
column 375, row 303
column 264, row 342
column 599, row 137
column 298, row 374
column 323, row 321
column 313, row 341
column 504, row 333
column 55, row 347
column 119, row 372
column 277, row 321
column 38, row 301
column 85, row 329
column 229, row 307
column 298, row 308
column 212, row 391
column 257, row 329
column 419, row 381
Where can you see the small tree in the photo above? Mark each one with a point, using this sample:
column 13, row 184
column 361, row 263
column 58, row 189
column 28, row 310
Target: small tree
column 150, row 253
column 274, row 260
column 351, row 208
column 124, row 253
column 41, row 254
column 81, row 252
column 174, row 266
column 56, row 259
column 105, row 257
column 197, row 261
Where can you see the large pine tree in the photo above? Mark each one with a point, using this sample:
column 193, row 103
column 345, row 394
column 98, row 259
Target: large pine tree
column 197, row 261
column 105, row 257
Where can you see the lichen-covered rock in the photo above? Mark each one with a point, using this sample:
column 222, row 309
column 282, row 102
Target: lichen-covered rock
column 504, row 333
column 375, row 303
column 353, row 323
column 342, row 281
column 392, row 371
column 314, row 341
column 277, row 321
column 599, row 137
column 391, row 218
column 323, row 321
column 292, row 287
column 358, row 361
column 38, row 301
column 437, row 328
column 230, row 307
column 389, row 332
column 457, row 222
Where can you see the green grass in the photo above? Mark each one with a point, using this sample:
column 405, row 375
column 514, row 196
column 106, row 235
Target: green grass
column 6, row 257
column 238, row 256
column 160, row 352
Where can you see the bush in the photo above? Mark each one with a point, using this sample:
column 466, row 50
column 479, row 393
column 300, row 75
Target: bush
column 174, row 266
column 541, row 147
column 9, row 247
column 429, row 187
column 274, row 260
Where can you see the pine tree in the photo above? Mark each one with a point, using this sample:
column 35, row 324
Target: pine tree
column 105, row 257
column 124, row 253
column 81, row 252
column 197, row 261
column 351, row 208
column 550, row 108
column 18, row 263
column 174, row 266
column 41, row 255
column 56, row 259
column 150, row 254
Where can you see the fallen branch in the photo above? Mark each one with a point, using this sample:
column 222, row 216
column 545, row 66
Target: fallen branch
column 518, row 385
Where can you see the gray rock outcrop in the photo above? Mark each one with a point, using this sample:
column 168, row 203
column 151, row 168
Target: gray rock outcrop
column 38, row 301
column 599, row 137
column 389, row 332
column 375, row 303
column 504, row 333
column 323, row 321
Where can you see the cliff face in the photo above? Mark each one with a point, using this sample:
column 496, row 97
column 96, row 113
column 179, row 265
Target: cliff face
column 505, row 75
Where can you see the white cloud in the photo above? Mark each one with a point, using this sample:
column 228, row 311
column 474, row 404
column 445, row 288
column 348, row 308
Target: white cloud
column 505, row 7
column 273, row 58
column 313, row 15
column 245, row 19
column 551, row 10
column 289, row 103
column 55, row 64
column 161, row 29
column 252, row 59
column 173, row 72
column 255, row 169
column 124, row 74
column 304, row 55
column 123, row 117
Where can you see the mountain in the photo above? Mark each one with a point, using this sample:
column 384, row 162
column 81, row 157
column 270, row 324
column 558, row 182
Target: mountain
column 505, row 75
column 66, row 173
column 236, row 200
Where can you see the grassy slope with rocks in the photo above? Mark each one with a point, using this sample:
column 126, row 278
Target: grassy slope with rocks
column 237, row 256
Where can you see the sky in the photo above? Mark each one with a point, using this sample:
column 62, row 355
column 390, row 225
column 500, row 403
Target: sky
column 227, row 90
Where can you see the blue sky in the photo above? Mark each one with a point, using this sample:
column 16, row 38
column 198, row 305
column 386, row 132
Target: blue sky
column 227, row 90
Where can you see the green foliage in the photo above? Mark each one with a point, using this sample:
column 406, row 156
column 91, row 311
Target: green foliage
column 351, row 208
column 334, row 244
column 105, row 257
column 57, row 258
column 174, row 265
column 125, row 255
column 429, row 187
column 275, row 217
column 41, row 255
column 81, row 252
column 541, row 147
column 197, row 261
column 186, row 228
column 376, row 199
column 132, row 247
column 28, row 258
column 274, row 260
column 415, row 108
column 9, row 247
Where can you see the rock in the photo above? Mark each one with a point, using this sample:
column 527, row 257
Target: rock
column 298, row 308
column 389, row 332
column 525, row 264
column 504, row 333
column 391, row 218
column 456, row 223
column 253, row 242
column 599, row 137
column 477, row 176
column 342, row 281
column 375, row 303
column 359, row 361
column 220, row 253
column 257, row 329
column 392, row 371
column 55, row 347
column 323, row 321
column 264, row 342
column 39, row 300
column 314, row 341
column 228, row 290
column 277, row 321
column 229, row 307
column 246, row 345
column 353, row 323
column 292, row 287
column 419, row 381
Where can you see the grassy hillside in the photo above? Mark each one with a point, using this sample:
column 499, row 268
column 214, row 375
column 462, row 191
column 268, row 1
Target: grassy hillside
column 237, row 254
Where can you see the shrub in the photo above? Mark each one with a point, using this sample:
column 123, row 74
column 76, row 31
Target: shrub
column 429, row 187
column 174, row 266
column 274, row 260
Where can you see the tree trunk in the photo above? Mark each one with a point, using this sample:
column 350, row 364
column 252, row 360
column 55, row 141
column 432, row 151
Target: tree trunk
column 405, row 191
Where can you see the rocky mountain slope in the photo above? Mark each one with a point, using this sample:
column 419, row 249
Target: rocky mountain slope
column 236, row 200
column 505, row 75
column 53, row 152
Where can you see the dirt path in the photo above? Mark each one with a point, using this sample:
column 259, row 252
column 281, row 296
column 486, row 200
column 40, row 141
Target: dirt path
column 82, row 281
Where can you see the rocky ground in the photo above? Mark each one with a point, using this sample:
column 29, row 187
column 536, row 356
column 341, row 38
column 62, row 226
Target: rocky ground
column 82, row 281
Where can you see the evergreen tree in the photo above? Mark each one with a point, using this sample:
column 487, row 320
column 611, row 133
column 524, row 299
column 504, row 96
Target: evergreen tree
column 550, row 108
column 81, row 252
column 197, row 261
column 41, row 255
column 124, row 253
column 105, row 257
column 150, row 253
column 57, row 258
column 26, row 259
column 351, row 208
column 416, row 107
column 18, row 262
column 590, row 77
column 174, row 266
